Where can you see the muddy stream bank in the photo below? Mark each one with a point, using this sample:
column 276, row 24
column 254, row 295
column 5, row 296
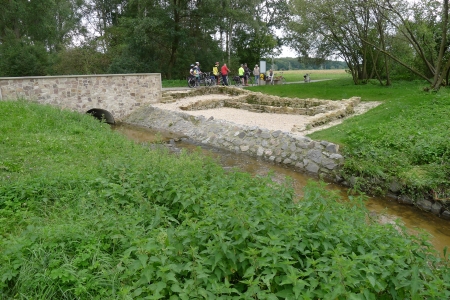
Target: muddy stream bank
column 391, row 210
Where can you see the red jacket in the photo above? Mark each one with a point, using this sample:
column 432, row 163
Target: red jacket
column 224, row 70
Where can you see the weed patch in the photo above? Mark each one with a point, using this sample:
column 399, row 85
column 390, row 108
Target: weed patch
column 109, row 219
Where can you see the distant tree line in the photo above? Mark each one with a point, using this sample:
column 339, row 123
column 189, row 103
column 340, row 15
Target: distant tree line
column 377, row 39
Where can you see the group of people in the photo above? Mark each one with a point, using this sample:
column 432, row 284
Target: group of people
column 244, row 73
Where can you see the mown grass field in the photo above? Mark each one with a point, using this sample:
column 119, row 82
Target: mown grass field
column 297, row 75
column 87, row 214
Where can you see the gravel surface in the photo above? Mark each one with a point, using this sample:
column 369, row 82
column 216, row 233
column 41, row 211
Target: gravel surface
column 283, row 122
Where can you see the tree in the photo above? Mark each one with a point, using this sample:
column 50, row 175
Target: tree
column 425, row 27
column 329, row 28
column 32, row 31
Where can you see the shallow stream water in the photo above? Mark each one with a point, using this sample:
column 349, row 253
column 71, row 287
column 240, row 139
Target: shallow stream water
column 413, row 218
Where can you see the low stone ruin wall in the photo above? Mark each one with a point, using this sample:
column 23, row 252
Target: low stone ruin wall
column 301, row 153
column 323, row 111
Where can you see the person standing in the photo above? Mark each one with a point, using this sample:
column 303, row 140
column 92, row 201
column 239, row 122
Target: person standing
column 216, row 71
column 197, row 73
column 256, row 74
column 224, row 71
column 241, row 74
column 247, row 74
column 270, row 76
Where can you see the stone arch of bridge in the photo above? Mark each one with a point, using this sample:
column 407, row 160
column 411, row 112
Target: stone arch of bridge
column 102, row 114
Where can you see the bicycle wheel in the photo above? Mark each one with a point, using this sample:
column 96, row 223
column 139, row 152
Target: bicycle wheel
column 191, row 82
column 283, row 80
column 237, row 81
column 208, row 81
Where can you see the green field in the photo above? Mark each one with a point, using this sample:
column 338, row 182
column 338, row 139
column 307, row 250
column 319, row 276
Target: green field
column 404, row 140
column 87, row 214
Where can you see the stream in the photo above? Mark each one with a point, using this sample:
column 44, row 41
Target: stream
column 413, row 218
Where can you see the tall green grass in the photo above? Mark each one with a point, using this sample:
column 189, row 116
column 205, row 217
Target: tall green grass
column 87, row 214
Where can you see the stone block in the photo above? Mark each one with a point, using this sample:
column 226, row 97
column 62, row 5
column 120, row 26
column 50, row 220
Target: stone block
column 404, row 199
column 312, row 167
column 424, row 204
column 446, row 215
column 436, row 208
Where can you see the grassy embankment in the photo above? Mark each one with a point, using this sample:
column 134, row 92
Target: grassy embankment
column 87, row 214
column 405, row 139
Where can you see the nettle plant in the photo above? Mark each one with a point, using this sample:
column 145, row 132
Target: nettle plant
column 193, row 231
column 92, row 216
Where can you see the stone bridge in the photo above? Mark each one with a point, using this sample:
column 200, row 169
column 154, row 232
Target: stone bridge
column 107, row 96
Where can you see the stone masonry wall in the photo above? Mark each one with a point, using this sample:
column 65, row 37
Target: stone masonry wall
column 301, row 153
column 118, row 94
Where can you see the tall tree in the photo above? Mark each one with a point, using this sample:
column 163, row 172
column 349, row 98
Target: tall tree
column 325, row 28
column 425, row 27
column 31, row 30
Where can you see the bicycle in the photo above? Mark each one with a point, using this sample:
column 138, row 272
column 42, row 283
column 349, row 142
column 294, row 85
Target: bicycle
column 191, row 81
column 207, row 79
column 237, row 80
column 251, row 80
column 280, row 78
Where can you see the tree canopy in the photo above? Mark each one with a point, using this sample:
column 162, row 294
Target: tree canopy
column 376, row 39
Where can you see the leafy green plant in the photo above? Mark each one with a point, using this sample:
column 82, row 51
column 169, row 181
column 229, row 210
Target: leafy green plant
column 128, row 222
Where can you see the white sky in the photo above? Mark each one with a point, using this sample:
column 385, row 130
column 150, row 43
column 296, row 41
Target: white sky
column 287, row 52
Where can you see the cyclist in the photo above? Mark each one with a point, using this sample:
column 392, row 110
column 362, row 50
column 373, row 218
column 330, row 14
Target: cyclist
column 241, row 73
column 246, row 74
column 197, row 73
column 216, row 71
column 224, row 71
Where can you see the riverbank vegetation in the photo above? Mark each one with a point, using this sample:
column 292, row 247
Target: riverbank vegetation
column 87, row 214
column 404, row 140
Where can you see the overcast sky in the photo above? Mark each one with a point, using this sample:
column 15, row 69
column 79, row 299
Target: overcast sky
column 287, row 52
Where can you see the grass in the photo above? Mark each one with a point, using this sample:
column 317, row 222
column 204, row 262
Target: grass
column 405, row 139
column 168, row 83
column 87, row 214
column 297, row 75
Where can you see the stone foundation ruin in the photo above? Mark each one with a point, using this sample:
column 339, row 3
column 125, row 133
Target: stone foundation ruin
column 322, row 111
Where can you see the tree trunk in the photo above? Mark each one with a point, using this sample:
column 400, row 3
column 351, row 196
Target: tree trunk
column 439, row 71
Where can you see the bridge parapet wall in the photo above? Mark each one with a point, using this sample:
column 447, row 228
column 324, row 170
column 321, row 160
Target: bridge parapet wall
column 119, row 94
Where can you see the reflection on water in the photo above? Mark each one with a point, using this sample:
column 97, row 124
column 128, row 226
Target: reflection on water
column 410, row 216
